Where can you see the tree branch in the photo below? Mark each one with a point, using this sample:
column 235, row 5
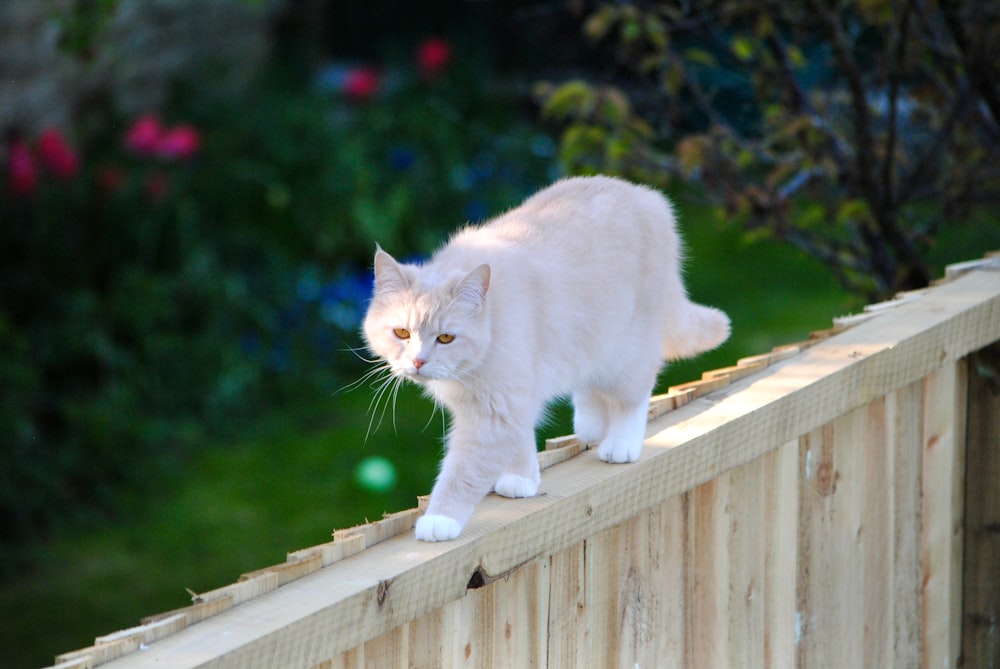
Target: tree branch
column 885, row 218
column 895, row 81
column 864, row 141
column 975, row 62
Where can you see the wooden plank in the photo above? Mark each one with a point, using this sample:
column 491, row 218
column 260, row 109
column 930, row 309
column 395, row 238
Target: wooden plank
column 336, row 608
column 378, row 531
column 473, row 626
column 876, row 537
column 603, row 569
column 904, row 419
column 990, row 262
column 289, row 570
column 831, row 597
column 391, row 650
column 709, row 583
column 981, row 588
column 667, row 567
column 559, row 449
column 942, row 512
column 520, row 612
column 661, row 404
column 778, row 354
column 781, row 490
column 332, row 551
column 650, row 601
column 568, row 627
column 746, row 546
column 117, row 644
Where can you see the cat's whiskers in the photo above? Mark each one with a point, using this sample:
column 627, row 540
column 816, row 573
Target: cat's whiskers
column 355, row 350
column 435, row 408
column 375, row 371
column 386, row 389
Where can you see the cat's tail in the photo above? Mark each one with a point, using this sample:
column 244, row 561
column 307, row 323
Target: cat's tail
column 698, row 330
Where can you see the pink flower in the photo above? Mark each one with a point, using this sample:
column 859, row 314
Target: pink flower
column 148, row 137
column 433, row 56
column 362, row 83
column 143, row 136
column 56, row 155
column 22, row 174
column 179, row 143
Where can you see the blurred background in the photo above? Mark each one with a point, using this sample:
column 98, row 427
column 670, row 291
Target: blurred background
column 192, row 192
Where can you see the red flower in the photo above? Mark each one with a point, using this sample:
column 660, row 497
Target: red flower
column 180, row 142
column 22, row 174
column 433, row 56
column 110, row 178
column 143, row 136
column 362, row 83
column 56, row 155
column 157, row 186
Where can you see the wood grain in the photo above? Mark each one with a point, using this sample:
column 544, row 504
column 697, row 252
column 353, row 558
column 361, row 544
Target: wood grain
column 779, row 520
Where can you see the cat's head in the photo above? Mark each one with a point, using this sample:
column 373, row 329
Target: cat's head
column 427, row 324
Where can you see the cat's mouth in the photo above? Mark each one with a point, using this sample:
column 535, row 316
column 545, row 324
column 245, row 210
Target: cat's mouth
column 418, row 375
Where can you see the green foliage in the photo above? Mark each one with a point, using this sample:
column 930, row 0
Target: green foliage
column 150, row 300
column 80, row 24
column 288, row 478
column 600, row 134
column 855, row 131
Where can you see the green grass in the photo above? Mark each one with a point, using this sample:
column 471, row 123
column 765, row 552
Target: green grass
column 287, row 481
column 286, row 484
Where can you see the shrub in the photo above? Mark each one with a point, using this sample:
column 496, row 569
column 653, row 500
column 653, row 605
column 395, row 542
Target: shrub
column 166, row 276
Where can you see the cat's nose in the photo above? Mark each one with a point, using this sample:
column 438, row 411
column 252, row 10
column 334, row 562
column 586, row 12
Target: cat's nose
column 419, row 362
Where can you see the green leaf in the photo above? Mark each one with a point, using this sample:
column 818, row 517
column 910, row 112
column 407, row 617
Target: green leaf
column 852, row 210
column 373, row 222
column 796, row 57
column 580, row 141
column 743, row 48
column 691, row 154
column 631, row 30
column 598, row 24
column 656, row 31
column 700, row 56
column 614, row 107
column 573, row 99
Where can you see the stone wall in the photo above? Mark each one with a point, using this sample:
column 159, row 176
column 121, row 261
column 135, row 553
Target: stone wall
column 146, row 45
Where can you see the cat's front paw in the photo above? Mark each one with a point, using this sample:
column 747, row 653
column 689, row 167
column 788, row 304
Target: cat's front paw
column 432, row 527
column 512, row 485
column 618, row 451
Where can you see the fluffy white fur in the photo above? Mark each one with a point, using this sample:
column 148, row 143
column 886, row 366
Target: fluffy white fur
column 577, row 291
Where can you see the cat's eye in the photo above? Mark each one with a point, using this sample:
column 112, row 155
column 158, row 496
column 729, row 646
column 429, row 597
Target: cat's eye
column 401, row 333
column 445, row 338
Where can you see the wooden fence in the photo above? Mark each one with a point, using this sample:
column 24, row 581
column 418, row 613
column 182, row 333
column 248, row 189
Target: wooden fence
column 830, row 504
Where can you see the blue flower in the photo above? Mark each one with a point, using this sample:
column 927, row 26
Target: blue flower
column 402, row 157
column 308, row 287
column 278, row 359
column 342, row 302
column 250, row 343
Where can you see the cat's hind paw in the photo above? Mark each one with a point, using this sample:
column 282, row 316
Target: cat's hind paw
column 432, row 527
column 512, row 485
column 619, row 450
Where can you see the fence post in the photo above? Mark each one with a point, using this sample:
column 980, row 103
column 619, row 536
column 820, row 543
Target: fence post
column 981, row 595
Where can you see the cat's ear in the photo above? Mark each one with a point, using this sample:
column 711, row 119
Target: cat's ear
column 472, row 289
column 389, row 275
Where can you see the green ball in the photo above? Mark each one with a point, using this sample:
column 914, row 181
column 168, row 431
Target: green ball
column 376, row 474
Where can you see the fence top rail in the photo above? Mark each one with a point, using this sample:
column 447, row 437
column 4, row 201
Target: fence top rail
column 330, row 598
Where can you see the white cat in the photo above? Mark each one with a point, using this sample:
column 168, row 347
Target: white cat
column 577, row 291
